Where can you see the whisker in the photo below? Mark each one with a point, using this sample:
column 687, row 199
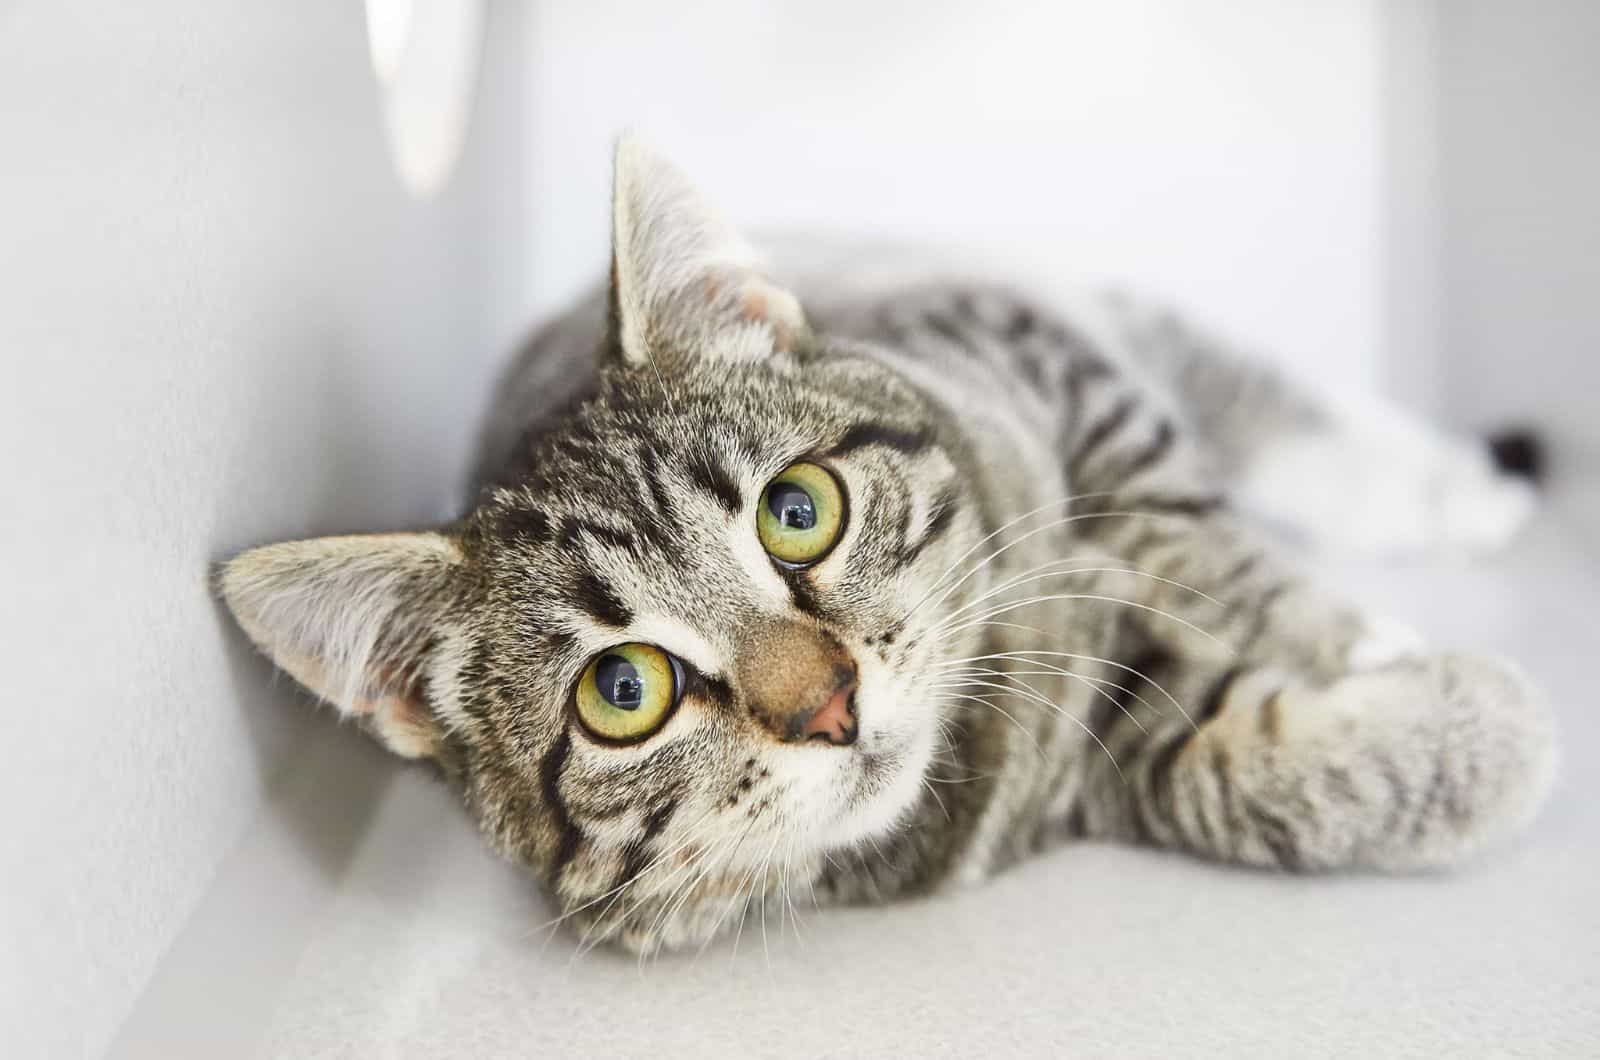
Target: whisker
column 692, row 836
column 1041, row 700
column 991, row 535
column 1027, row 654
column 1013, row 605
column 1041, row 572
column 1007, row 714
column 936, row 798
column 1084, row 679
column 738, row 889
column 681, row 894
column 1053, row 524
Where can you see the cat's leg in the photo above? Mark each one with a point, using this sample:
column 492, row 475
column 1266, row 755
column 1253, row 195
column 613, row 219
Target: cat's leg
column 1352, row 473
column 1416, row 763
column 1201, row 579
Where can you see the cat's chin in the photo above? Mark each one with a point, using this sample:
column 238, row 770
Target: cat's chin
column 878, row 784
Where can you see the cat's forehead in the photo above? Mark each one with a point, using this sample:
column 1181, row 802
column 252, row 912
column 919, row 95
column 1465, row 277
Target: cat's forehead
column 646, row 494
column 644, row 478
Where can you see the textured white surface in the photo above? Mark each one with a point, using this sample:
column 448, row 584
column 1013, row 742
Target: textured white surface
column 214, row 297
column 364, row 919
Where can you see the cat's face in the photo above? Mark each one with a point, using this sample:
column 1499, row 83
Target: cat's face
column 700, row 620
column 701, row 634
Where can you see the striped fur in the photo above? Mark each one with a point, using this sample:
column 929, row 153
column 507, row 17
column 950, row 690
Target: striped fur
column 1061, row 626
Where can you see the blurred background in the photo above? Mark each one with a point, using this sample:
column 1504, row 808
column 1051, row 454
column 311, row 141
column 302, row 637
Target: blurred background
column 259, row 262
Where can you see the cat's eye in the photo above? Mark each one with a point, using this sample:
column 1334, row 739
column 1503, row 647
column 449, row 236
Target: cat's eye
column 802, row 515
column 627, row 692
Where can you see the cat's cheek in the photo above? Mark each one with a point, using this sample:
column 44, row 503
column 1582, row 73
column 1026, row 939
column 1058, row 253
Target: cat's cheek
column 883, row 788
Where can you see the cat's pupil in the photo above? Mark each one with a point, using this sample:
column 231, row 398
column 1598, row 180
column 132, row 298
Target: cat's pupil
column 619, row 682
column 792, row 506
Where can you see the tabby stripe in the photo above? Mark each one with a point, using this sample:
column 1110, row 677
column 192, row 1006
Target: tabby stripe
column 1032, row 367
column 948, row 331
column 1397, row 786
column 1243, row 567
column 1082, row 369
column 529, row 525
column 911, row 443
column 634, row 856
column 712, row 478
column 941, row 514
column 1275, row 833
column 801, row 594
column 550, row 778
column 1099, row 433
column 1021, row 323
column 1208, row 838
column 1269, row 720
column 1108, row 711
column 1263, row 608
column 600, row 600
column 1339, row 784
column 1147, row 457
column 1232, row 827
column 650, row 463
column 658, row 515
column 1217, row 695
column 1194, row 507
column 719, row 692
column 1160, row 775
column 1431, row 796
column 573, row 526
column 559, row 643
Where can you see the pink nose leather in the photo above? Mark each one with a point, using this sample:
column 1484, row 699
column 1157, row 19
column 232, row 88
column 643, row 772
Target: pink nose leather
column 798, row 681
column 835, row 720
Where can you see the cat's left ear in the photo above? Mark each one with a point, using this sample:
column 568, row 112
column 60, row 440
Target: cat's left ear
column 358, row 620
column 686, row 289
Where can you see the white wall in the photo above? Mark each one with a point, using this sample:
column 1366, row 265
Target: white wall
column 1225, row 153
column 222, row 321
column 1519, row 251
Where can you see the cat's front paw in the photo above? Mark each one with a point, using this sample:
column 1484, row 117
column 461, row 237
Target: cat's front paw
column 1415, row 764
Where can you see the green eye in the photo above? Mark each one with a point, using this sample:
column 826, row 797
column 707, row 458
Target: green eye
column 801, row 516
column 627, row 692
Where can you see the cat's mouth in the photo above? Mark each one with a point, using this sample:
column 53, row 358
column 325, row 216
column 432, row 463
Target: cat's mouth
column 878, row 779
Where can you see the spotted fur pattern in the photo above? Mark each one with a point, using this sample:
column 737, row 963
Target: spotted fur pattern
column 1060, row 624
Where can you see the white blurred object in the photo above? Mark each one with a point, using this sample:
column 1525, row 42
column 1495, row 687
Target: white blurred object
column 425, row 54
column 1384, row 483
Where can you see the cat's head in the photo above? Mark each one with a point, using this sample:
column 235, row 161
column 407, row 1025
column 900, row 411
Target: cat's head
column 701, row 634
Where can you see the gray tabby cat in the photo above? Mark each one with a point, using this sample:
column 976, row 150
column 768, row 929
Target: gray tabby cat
column 881, row 596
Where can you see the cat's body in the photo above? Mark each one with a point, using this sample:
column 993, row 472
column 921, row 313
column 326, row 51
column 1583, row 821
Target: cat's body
column 1039, row 616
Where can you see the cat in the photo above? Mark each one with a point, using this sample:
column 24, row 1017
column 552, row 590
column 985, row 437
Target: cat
column 857, row 584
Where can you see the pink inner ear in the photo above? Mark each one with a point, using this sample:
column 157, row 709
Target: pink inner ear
column 762, row 301
column 402, row 722
column 399, row 717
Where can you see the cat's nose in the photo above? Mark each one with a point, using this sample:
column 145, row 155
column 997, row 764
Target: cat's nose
column 835, row 720
column 799, row 682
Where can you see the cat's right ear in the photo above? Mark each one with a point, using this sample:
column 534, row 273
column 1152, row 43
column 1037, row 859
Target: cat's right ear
column 355, row 619
column 686, row 289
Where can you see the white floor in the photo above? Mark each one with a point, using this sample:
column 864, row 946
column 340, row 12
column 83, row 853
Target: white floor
column 362, row 918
